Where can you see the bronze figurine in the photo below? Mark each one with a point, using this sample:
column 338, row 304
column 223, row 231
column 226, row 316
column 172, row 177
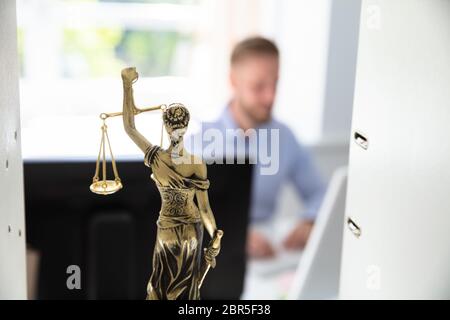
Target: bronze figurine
column 178, row 267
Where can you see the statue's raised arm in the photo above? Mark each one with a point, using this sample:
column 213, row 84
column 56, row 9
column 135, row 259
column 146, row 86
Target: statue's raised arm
column 130, row 76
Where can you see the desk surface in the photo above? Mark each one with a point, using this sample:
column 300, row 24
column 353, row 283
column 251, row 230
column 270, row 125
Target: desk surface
column 270, row 279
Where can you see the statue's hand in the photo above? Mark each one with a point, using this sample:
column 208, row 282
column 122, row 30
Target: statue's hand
column 213, row 249
column 129, row 75
column 210, row 256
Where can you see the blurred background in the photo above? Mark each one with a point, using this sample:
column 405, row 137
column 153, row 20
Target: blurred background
column 181, row 49
column 71, row 54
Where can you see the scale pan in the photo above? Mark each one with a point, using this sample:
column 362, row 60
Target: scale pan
column 106, row 187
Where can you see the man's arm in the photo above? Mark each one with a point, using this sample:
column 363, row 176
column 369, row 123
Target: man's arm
column 307, row 181
column 310, row 186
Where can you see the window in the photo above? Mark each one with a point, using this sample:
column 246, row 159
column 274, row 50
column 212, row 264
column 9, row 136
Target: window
column 72, row 51
column 71, row 54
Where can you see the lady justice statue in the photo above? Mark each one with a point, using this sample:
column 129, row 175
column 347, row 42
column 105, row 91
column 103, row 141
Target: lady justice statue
column 178, row 266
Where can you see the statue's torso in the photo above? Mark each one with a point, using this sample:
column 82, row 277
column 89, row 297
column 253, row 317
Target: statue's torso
column 177, row 184
column 178, row 202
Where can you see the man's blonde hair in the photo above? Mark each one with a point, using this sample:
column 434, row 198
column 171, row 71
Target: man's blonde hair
column 253, row 46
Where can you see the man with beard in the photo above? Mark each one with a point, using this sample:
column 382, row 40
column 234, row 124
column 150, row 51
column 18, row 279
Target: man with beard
column 253, row 76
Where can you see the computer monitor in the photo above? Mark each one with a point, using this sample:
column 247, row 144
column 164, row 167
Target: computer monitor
column 317, row 275
column 111, row 238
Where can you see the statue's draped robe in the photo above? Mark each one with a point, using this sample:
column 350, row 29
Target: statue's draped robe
column 177, row 253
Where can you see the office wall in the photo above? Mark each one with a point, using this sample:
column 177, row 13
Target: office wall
column 302, row 31
column 12, row 224
column 341, row 70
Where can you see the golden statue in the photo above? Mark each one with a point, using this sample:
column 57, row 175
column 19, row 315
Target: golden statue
column 178, row 267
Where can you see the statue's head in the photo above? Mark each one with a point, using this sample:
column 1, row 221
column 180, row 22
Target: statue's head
column 176, row 119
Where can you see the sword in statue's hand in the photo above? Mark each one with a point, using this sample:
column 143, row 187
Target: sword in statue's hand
column 210, row 255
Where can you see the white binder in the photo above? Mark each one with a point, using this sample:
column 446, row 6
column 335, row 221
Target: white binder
column 397, row 232
column 12, row 224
